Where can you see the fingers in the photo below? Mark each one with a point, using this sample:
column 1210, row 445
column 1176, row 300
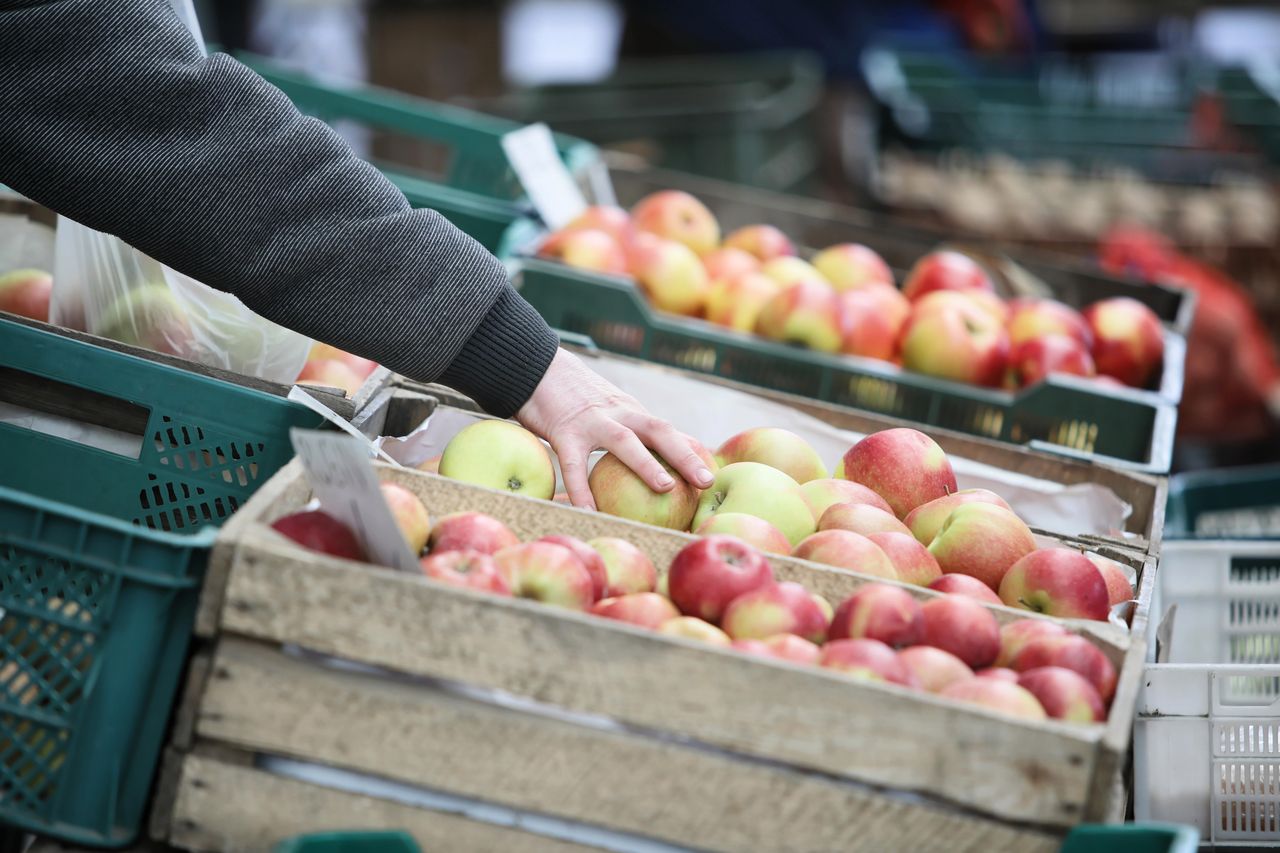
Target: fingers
column 628, row 447
column 678, row 449
column 573, row 470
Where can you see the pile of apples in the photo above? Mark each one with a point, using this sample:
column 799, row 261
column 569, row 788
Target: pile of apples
column 946, row 321
column 893, row 510
column 26, row 292
column 722, row 591
column 328, row 366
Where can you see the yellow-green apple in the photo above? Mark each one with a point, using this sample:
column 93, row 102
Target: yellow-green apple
column 962, row 342
column 316, row 530
column 329, row 373
column 1032, row 361
column 670, row 274
column 470, row 531
column 765, row 242
column 945, row 270
column 149, row 316
column 628, row 569
column 786, row 271
column 886, row 613
column 728, row 263
column 678, row 216
column 777, row 448
column 1127, row 340
column 1074, row 653
column 981, row 540
column 410, row 515
column 736, row 303
column 362, row 366
column 904, row 466
column 996, row 695
column 966, row 586
column 619, row 491
column 1058, row 582
column 750, row 529
column 590, row 559
column 792, row 648
column 911, row 560
column 963, row 627
column 693, row 628
column 806, row 313
column 860, row 518
column 1119, row 588
column 846, row 550
column 850, row 266
column 470, row 569
column 869, row 660
column 933, row 668
column 587, row 249
column 706, row 575
column 661, row 586
column 940, row 300
column 759, row 490
column 1031, row 317
column 822, row 494
column 871, row 321
column 927, row 519
column 1015, row 635
column 776, row 608
column 998, row 673
column 26, row 293
column 500, row 455
column 1064, row 694
column 614, row 221
column 546, row 572
column 646, row 609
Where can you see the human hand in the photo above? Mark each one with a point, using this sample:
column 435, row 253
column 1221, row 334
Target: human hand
column 578, row 411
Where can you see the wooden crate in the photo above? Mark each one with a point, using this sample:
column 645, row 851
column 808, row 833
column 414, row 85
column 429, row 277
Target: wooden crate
column 594, row 722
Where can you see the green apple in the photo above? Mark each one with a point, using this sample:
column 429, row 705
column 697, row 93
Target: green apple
column 500, row 455
column 756, row 489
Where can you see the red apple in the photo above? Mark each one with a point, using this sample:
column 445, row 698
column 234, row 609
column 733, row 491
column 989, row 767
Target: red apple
column 852, row 266
column 678, row 216
column 822, row 494
column 708, row 574
column 26, row 293
column 1074, row 653
column 1128, row 343
column 872, row 320
column 736, row 303
column 1031, row 317
column 750, row 529
column 780, row 608
column 470, row 569
column 669, row 273
column 999, row 673
column 326, row 373
column 470, row 531
column 410, row 515
column 981, row 540
column 627, row 568
column 793, row 648
column 646, row 609
column 614, row 221
column 860, row 518
column 752, row 647
column 361, row 366
column 934, row 668
column 1059, row 582
column 997, row 696
column 764, row 242
column 927, row 519
column 777, row 448
column 967, row 300
column 619, row 491
column 963, row 627
column 966, row 586
column 319, row 531
column 587, row 249
column 693, row 628
column 912, row 561
column 870, row 660
column 846, row 550
column 786, row 271
column 1065, row 694
column 1119, row 588
column 1014, row 636
column 963, row 343
column 945, row 270
column 1031, row 361
column 904, row 466
column 886, row 613
column 727, row 263
column 806, row 313
column 547, row 572
column 590, row 559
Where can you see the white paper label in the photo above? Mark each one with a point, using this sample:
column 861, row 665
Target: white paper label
column 532, row 154
column 341, row 477
column 298, row 394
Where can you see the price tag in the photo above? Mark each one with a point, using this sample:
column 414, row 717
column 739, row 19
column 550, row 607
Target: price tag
column 342, row 478
column 532, row 154
column 299, row 395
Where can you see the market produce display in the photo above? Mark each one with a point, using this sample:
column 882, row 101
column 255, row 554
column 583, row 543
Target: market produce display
column 945, row 321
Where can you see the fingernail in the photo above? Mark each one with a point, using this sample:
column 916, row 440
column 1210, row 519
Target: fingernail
column 664, row 480
column 704, row 477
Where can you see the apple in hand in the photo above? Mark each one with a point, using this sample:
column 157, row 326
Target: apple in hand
column 1058, row 582
column 617, row 490
column 872, row 320
column 846, row 550
column 998, row 673
column 764, row 242
column 806, row 313
column 1119, row 588
column 1031, row 317
column 869, row 660
column 777, row 448
column 981, row 540
column 546, row 572
column 963, row 627
column 587, row 249
column 861, row 518
column 933, row 668
column 1074, row 653
column 778, row 608
column 500, row 455
column 470, row 569
column 927, row 519
column 759, row 490
column 889, row 614
column 708, row 574
column 470, row 531
column 1031, row 361
column 1127, row 340
column 627, row 568
column 997, row 695
column 852, row 266
column 966, row 586
column 646, row 609
column 1014, row 636
column 692, row 628
column 748, row 528
column 902, row 465
column 822, row 494
column 963, row 343
column 26, row 293
column 590, row 559
column 677, row 216
column 1064, row 694
column 736, row 303
column 410, row 515
column 670, row 274
column 316, row 530
column 911, row 560
column 945, row 270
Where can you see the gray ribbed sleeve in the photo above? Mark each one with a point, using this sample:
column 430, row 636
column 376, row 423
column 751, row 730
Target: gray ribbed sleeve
column 111, row 115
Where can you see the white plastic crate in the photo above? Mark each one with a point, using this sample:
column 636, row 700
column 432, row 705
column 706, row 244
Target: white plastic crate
column 1207, row 734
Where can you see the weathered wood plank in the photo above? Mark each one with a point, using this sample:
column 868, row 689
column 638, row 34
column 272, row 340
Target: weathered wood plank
column 263, row 700
column 223, row 807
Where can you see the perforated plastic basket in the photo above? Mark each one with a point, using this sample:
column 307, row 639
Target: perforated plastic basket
column 1240, row 503
column 1207, row 734
column 101, row 556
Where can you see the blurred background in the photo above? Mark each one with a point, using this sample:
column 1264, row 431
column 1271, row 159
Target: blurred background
column 1137, row 135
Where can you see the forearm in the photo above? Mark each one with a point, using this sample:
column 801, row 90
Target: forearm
column 113, row 117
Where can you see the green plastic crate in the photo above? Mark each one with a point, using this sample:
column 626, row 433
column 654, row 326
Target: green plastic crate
column 101, row 557
column 349, row 842
column 1132, row 838
column 1227, row 503
column 1126, row 428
